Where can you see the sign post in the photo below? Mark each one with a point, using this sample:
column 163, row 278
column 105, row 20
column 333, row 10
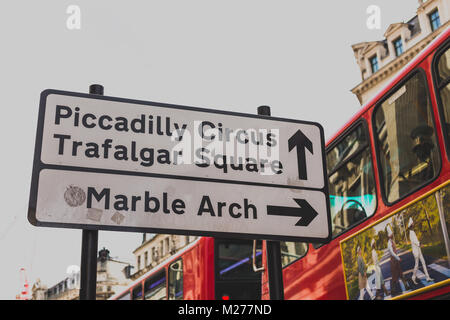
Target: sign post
column 89, row 247
column 274, row 267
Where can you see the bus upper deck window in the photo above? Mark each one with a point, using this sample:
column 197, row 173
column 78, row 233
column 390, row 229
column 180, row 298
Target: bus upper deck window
column 408, row 154
column 137, row 292
column 351, row 181
column 155, row 287
column 442, row 77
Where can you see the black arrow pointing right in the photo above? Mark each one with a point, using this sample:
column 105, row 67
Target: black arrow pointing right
column 305, row 212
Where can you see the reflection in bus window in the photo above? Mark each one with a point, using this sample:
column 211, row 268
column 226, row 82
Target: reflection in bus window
column 351, row 181
column 155, row 287
column 350, row 145
column 406, row 137
column 444, row 67
column 125, row 296
column 235, row 260
column 443, row 84
column 292, row 251
column 137, row 292
column 234, row 275
column 176, row 280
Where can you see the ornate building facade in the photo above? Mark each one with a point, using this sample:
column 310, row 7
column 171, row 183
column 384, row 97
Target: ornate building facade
column 111, row 278
column 379, row 60
column 155, row 248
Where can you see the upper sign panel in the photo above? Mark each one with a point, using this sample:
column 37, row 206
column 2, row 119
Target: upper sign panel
column 105, row 133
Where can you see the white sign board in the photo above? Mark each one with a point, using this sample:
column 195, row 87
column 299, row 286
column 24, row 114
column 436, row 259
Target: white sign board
column 118, row 164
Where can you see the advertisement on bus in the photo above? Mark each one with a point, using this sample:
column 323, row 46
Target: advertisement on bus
column 403, row 254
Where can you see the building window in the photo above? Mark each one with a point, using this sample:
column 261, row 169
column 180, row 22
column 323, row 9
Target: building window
column 398, row 46
column 146, row 258
column 435, row 21
column 139, row 262
column 167, row 245
column 374, row 64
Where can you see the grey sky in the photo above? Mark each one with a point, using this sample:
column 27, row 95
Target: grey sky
column 231, row 55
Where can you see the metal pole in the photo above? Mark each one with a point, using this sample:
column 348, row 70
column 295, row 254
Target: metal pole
column 88, row 270
column 89, row 247
column 274, row 268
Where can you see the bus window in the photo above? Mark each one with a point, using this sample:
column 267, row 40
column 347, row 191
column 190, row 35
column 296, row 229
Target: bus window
column 351, row 181
column 235, row 260
column 176, row 280
column 125, row 296
column 292, row 251
column 235, row 278
column 442, row 76
column 137, row 292
column 155, row 287
column 408, row 154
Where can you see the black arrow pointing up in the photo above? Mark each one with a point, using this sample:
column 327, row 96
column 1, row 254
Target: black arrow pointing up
column 305, row 212
column 300, row 141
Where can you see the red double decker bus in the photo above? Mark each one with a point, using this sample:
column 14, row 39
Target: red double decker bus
column 388, row 171
column 206, row 269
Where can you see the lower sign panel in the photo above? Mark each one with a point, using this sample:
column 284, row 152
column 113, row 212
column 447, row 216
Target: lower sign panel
column 135, row 203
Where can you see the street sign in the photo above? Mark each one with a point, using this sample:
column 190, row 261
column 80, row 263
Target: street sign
column 119, row 164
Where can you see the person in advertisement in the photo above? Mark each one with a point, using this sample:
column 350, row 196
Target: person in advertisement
column 396, row 269
column 379, row 279
column 417, row 253
column 362, row 276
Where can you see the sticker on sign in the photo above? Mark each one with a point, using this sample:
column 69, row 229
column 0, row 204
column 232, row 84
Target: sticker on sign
column 119, row 164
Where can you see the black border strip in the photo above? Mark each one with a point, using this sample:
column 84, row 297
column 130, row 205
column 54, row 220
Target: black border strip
column 38, row 165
